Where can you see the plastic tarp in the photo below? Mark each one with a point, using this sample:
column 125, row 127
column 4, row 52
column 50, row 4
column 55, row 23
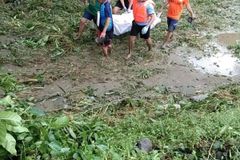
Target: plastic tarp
column 123, row 22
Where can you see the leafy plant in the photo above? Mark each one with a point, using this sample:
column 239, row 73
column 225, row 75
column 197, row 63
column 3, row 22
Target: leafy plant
column 144, row 73
column 8, row 82
column 10, row 122
column 236, row 49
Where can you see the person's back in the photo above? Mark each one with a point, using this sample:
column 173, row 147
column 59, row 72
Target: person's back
column 93, row 7
column 175, row 8
column 90, row 13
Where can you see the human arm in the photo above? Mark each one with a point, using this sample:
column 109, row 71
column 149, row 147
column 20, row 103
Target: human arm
column 151, row 14
column 123, row 4
column 108, row 15
column 151, row 18
column 130, row 4
column 103, row 33
column 189, row 8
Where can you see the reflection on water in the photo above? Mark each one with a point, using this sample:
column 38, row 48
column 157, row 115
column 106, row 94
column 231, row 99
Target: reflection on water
column 221, row 63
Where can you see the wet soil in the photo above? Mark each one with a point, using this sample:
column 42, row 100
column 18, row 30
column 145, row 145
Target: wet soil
column 67, row 81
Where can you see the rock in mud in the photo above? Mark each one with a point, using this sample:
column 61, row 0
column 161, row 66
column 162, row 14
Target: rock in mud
column 221, row 155
column 53, row 104
column 145, row 144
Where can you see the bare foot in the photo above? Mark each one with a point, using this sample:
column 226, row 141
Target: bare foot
column 149, row 48
column 128, row 56
column 164, row 46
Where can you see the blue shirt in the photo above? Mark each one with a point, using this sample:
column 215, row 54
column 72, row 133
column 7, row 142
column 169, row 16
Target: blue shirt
column 106, row 12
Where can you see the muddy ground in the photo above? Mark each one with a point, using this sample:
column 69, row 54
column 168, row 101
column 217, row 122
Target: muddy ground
column 83, row 76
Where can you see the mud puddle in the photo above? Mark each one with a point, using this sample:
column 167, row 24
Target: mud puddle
column 217, row 59
column 228, row 39
column 193, row 72
column 220, row 63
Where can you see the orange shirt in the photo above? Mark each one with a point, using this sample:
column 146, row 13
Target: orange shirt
column 140, row 11
column 175, row 8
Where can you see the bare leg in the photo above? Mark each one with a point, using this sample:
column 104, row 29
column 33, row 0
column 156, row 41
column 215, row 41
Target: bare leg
column 149, row 43
column 105, row 51
column 131, row 45
column 168, row 38
column 116, row 10
column 82, row 25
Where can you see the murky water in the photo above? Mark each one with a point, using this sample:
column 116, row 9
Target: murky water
column 218, row 59
column 220, row 63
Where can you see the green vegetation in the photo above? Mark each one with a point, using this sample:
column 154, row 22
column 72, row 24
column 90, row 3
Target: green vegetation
column 99, row 129
column 8, row 82
column 236, row 49
column 179, row 128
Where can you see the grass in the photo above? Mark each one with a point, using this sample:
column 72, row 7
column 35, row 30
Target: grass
column 235, row 49
column 194, row 130
column 97, row 129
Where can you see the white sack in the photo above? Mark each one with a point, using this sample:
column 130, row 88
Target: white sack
column 123, row 23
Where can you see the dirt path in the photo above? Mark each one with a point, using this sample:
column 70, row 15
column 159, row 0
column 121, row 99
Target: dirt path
column 71, row 79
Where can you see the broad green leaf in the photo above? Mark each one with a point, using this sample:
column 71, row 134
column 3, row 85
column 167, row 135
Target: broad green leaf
column 102, row 147
column 3, row 132
column 17, row 129
column 56, row 149
column 75, row 156
column 71, row 132
column 65, row 150
column 9, row 144
column 10, row 118
column 28, row 139
column 21, row 136
column 60, row 122
column 7, row 101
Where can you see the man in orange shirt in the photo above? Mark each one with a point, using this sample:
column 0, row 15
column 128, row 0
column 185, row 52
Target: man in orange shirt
column 175, row 8
column 144, row 15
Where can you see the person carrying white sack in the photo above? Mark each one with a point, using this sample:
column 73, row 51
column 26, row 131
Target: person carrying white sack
column 125, row 5
column 144, row 15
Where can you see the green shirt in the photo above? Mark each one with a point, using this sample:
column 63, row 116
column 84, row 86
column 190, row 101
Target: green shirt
column 93, row 7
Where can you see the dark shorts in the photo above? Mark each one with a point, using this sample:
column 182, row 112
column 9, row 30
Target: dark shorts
column 136, row 29
column 119, row 4
column 172, row 24
column 108, row 38
column 89, row 16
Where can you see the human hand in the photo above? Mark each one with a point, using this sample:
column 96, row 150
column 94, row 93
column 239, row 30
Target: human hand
column 129, row 10
column 103, row 34
column 145, row 29
column 190, row 19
